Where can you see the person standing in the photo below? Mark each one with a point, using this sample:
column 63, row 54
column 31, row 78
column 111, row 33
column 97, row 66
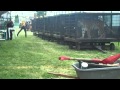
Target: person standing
column 23, row 27
column 10, row 26
column 27, row 26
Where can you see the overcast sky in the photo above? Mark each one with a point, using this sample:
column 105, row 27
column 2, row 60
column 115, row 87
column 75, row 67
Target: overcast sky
column 51, row 13
column 23, row 13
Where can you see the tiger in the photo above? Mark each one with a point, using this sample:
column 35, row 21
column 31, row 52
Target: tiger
column 87, row 25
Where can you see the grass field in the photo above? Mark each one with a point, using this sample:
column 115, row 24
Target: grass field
column 33, row 58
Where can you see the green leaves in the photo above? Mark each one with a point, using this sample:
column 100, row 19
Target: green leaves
column 16, row 19
column 41, row 13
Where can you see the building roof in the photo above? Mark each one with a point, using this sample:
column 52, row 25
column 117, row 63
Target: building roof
column 2, row 12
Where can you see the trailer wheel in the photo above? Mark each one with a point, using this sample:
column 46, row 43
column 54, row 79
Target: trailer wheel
column 78, row 47
column 112, row 46
column 70, row 46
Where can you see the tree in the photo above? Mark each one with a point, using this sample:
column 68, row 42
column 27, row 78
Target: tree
column 16, row 19
column 41, row 13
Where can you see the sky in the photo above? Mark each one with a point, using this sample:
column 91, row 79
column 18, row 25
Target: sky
column 51, row 13
column 23, row 13
column 27, row 14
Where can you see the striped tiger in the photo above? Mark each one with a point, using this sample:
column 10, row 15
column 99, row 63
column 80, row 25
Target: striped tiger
column 87, row 25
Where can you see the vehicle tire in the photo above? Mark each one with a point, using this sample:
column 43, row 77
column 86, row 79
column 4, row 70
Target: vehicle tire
column 70, row 46
column 78, row 46
column 112, row 46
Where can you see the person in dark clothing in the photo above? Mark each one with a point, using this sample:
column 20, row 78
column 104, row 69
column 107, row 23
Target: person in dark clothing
column 23, row 26
column 27, row 25
column 10, row 25
column 20, row 25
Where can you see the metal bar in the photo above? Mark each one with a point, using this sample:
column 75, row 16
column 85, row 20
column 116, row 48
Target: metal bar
column 63, row 75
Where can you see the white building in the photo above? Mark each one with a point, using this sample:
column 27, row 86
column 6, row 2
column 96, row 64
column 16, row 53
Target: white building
column 23, row 15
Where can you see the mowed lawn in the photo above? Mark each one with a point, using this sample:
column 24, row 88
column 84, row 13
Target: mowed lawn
column 33, row 58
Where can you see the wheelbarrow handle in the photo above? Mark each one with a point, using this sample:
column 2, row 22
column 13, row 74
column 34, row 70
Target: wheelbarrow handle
column 108, row 60
column 62, row 58
column 63, row 75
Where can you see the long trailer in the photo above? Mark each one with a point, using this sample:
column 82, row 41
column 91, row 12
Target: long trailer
column 67, row 28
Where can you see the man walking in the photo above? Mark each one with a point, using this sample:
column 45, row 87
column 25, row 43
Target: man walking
column 23, row 26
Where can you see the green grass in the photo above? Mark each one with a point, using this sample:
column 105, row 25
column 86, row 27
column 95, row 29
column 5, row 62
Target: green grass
column 33, row 58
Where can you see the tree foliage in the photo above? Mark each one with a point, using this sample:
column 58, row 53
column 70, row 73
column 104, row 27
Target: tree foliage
column 41, row 13
column 16, row 19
